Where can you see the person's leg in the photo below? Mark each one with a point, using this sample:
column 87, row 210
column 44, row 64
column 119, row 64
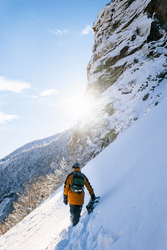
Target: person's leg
column 75, row 211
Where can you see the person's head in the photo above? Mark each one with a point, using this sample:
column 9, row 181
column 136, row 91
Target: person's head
column 76, row 165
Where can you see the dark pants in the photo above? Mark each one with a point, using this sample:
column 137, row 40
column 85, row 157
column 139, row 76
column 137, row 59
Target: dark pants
column 75, row 211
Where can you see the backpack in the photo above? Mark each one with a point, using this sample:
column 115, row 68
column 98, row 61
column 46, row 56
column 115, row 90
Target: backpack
column 77, row 184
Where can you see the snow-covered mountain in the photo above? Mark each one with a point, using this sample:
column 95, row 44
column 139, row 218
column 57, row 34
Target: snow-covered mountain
column 130, row 176
column 37, row 158
column 127, row 77
column 32, row 145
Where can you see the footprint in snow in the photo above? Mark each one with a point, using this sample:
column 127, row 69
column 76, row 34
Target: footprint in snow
column 64, row 235
column 105, row 240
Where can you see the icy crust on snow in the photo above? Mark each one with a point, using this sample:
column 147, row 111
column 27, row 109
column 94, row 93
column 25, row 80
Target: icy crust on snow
column 130, row 177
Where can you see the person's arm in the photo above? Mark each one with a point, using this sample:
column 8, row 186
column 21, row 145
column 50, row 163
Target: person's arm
column 89, row 188
column 66, row 188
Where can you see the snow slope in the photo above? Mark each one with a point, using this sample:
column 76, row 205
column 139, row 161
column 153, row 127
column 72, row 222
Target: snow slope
column 130, row 176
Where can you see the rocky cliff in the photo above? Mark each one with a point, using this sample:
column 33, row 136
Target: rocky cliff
column 126, row 74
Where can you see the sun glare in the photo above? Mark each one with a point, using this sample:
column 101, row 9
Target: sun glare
column 78, row 106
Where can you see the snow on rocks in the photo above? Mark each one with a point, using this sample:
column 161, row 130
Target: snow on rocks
column 123, row 73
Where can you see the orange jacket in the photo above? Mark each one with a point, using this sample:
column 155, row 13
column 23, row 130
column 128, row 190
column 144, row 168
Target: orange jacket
column 76, row 198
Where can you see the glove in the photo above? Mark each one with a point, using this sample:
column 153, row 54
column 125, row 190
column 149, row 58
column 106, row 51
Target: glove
column 93, row 197
column 65, row 200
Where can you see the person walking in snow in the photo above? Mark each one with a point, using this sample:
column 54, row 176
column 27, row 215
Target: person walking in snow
column 74, row 192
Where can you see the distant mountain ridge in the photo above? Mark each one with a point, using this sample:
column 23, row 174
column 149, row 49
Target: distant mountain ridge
column 126, row 79
column 29, row 163
column 30, row 145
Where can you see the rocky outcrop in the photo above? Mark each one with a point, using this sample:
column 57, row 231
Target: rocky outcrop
column 140, row 22
column 124, row 83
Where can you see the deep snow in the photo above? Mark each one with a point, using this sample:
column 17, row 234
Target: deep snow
column 130, row 176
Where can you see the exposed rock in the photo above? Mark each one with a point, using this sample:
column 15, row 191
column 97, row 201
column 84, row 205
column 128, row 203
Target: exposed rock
column 129, row 40
column 145, row 97
column 157, row 9
column 154, row 33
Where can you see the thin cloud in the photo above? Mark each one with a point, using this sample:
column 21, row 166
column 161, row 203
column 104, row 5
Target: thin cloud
column 59, row 32
column 7, row 118
column 13, row 85
column 67, row 100
column 87, row 30
column 33, row 96
column 48, row 92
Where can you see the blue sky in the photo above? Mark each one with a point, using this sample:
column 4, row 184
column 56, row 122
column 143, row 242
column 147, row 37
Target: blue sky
column 45, row 47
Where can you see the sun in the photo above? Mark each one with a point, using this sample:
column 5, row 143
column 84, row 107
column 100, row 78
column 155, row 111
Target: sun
column 78, row 106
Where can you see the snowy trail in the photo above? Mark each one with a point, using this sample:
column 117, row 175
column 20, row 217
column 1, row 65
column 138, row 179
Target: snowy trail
column 87, row 235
